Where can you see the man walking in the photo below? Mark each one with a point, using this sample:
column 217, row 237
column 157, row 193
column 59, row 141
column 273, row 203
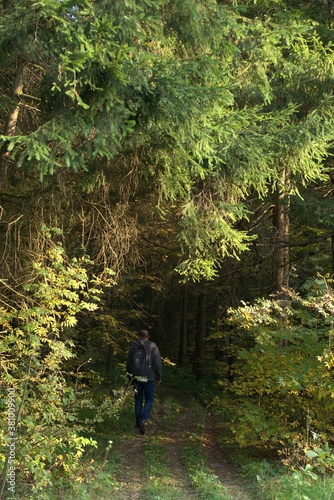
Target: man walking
column 145, row 368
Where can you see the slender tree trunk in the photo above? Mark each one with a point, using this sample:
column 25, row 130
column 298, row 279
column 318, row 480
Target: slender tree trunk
column 330, row 12
column 12, row 119
column 332, row 248
column 109, row 362
column 13, row 438
column 183, row 327
column 198, row 362
column 281, row 221
column 230, row 358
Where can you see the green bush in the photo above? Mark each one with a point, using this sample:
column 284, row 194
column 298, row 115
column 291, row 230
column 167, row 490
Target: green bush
column 35, row 343
column 283, row 383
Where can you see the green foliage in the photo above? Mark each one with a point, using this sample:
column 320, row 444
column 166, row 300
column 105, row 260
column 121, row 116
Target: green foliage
column 201, row 105
column 205, row 102
column 320, row 459
column 35, row 342
column 78, row 50
column 283, row 385
column 272, row 481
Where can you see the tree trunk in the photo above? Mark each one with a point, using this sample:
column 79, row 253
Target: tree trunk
column 198, row 362
column 332, row 248
column 183, row 327
column 329, row 12
column 281, row 221
column 12, row 119
column 109, row 362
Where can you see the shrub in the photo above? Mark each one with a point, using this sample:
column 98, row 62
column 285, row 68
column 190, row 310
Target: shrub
column 35, row 341
column 283, row 383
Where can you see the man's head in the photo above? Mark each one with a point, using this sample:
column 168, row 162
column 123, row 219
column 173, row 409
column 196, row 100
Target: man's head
column 143, row 334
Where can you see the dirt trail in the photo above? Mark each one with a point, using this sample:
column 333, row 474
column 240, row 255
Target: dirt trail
column 132, row 473
column 177, row 423
column 221, row 466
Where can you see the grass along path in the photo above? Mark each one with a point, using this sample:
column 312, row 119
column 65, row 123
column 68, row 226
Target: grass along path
column 178, row 458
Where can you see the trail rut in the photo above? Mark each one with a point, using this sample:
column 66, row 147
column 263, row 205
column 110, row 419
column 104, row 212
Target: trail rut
column 177, row 422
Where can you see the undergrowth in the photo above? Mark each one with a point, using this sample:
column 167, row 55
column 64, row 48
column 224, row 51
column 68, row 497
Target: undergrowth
column 273, row 481
column 102, row 467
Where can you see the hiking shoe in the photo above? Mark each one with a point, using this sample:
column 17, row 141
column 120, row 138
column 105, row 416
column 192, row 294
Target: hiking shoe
column 142, row 428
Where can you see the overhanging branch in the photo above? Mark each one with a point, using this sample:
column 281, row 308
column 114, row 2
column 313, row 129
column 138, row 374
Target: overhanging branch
column 306, row 243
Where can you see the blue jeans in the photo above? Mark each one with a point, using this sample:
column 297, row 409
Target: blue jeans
column 145, row 392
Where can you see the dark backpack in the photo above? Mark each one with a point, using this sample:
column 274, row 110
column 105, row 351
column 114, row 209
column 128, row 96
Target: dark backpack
column 140, row 360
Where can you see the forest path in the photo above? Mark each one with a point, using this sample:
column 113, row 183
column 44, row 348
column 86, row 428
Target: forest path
column 179, row 457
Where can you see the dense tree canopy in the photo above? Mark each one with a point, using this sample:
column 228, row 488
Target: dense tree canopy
column 204, row 103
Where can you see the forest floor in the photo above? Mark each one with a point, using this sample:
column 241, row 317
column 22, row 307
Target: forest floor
column 181, row 457
column 178, row 457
